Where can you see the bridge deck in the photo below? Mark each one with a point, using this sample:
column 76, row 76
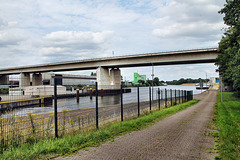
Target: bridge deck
column 160, row 58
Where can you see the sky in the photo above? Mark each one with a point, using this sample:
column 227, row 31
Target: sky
column 45, row 31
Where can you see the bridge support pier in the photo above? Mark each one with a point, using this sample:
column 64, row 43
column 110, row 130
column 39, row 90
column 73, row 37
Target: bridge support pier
column 106, row 81
column 115, row 78
column 36, row 79
column 24, row 80
column 103, row 78
column 4, row 79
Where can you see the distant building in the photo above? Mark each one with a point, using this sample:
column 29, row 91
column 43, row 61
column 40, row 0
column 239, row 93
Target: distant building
column 214, row 80
column 138, row 77
column 48, row 82
column 79, row 79
column 48, row 79
column 37, row 90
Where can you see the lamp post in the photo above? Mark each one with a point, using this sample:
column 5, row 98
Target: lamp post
column 152, row 76
column 206, row 78
column 152, row 79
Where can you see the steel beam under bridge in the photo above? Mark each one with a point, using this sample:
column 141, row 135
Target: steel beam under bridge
column 149, row 59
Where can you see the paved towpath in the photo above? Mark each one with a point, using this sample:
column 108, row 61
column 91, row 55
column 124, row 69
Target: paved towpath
column 181, row 136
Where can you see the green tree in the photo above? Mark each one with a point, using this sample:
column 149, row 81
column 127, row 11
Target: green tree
column 149, row 82
column 93, row 74
column 229, row 46
column 156, row 81
column 141, row 81
column 181, row 81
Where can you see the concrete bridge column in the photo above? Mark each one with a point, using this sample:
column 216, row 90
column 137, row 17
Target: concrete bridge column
column 24, row 79
column 103, row 78
column 36, row 79
column 115, row 78
column 4, row 79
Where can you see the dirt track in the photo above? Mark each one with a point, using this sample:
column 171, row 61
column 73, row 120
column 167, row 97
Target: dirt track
column 181, row 136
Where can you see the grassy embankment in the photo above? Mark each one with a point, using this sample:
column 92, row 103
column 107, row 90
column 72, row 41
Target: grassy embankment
column 228, row 123
column 70, row 144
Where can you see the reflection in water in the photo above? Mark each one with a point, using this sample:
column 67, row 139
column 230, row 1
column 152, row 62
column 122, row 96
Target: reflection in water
column 110, row 100
column 86, row 102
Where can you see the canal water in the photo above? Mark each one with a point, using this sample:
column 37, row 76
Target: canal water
column 86, row 102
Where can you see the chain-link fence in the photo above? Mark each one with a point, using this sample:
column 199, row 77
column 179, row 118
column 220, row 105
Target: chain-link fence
column 84, row 109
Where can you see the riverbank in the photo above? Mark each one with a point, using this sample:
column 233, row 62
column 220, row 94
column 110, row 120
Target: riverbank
column 188, row 84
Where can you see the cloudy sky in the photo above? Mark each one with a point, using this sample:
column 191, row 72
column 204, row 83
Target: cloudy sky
column 43, row 31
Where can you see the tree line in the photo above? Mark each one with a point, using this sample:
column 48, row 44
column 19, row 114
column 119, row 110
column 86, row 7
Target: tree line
column 229, row 46
column 157, row 82
column 188, row 80
column 154, row 82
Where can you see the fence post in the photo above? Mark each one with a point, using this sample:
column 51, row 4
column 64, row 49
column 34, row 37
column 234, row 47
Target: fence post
column 138, row 101
column 55, row 108
column 179, row 96
column 150, row 101
column 192, row 95
column 121, row 103
column 189, row 95
column 171, row 96
column 162, row 95
column 96, row 94
column 165, row 98
column 185, row 95
column 182, row 96
column 159, row 99
column 175, row 96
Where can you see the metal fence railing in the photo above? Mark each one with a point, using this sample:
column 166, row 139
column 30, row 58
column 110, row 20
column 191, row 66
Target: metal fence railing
column 79, row 113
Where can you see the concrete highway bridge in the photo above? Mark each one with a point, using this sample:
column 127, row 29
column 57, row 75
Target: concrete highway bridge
column 108, row 69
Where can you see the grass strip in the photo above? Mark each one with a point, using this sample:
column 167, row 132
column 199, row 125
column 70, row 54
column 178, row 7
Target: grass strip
column 228, row 123
column 72, row 143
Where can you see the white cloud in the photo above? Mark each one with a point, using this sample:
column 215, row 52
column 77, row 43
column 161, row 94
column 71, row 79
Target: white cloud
column 194, row 30
column 11, row 37
column 71, row 45
column 186, row 20
column 43, row 31
column 12, row 23
column 191, row 67
column 77, row 37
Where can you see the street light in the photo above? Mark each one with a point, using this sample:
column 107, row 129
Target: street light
column 206, row 78
column 152, row 79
